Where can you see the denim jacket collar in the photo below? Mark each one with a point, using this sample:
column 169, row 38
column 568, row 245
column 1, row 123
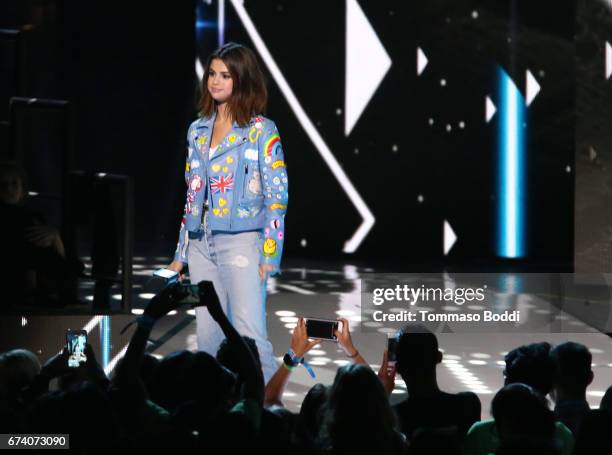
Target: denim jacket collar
column 238, row 135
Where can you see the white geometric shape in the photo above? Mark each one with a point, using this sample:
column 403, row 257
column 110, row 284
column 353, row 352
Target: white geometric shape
column 351, row 245
column 449, row 237
column 490, row 109
column 608, row 60
column 199, row 69
column 421, row 61
column 367, row 62
column 533, row 88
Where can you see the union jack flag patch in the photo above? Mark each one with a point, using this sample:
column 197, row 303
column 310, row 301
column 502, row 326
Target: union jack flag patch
column 222, row 184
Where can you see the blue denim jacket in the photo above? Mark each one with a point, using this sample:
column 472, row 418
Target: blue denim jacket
column 245, row 182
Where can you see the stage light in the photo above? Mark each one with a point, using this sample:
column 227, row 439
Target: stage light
column 511, row 169
column 105, row 340
column 285, row 313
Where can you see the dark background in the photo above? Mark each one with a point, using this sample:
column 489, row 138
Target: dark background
column 128, row 70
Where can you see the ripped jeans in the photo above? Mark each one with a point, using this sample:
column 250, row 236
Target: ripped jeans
column 231, row 262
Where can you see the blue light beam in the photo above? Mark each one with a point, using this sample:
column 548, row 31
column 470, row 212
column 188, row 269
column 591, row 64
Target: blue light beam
column 105, row 339
column 511, row 169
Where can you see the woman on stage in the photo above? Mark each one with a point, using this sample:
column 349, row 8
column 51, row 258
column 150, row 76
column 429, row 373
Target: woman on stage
column 233, row 226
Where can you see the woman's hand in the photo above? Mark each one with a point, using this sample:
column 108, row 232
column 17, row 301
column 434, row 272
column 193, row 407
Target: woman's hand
column 344, row 338
column 57, row 365
column 264, row 269
column 177, row 266
column 300, row 344
column 386, row 374
column 165, row 301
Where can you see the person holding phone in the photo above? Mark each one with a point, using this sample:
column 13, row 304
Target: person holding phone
column 232, row 231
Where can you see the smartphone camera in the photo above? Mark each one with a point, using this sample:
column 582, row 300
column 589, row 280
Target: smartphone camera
column 322, row 328
column 75, row 342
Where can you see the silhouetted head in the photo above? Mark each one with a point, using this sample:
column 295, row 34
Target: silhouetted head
column 309, row 419
column 357, row 412
column 530, row 364
column 606, row 400
column 83, row 411
column 520, row 411
column 228, row 359
column 18, row 368
column 417, row 352
column 195, row 377
column 572, row 367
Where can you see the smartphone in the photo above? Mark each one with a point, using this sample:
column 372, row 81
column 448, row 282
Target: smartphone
column 321, row 328
column 169, row 276
column 207, row 289
column 392, row 350
column 75, row 342
column 193, row 294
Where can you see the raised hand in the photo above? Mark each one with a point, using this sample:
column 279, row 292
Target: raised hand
column 344, row 338
column 386, row 374
column 210, row 299
column 57, row 365
column 300, row 344
column 164, row 302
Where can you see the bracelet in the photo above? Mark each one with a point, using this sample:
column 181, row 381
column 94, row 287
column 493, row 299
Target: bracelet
column 295, row 361
column 289, row 361
column 354, row 355
column 288, row 367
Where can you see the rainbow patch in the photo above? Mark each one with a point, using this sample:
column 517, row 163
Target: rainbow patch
column 270, row 143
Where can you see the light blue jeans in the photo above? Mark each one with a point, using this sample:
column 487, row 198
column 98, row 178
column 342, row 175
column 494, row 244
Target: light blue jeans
column 231, row 262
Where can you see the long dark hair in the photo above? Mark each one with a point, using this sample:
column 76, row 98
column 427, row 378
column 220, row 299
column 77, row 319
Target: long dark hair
column 249, row 93
column 357, row 414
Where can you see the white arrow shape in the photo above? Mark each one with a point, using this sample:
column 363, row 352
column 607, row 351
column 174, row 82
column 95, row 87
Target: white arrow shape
column 533, row 88
column 608, row 60
column 490, row 109
column 421, row 61
column 367, row 62
column 351, row 245
column 449, row 237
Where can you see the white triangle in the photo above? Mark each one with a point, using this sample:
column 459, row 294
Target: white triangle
column 449, row 237
column 367, row 62
column 608, row 60
column 421, row 61
column 532, row 88
column 592, row 154
column 490, row 109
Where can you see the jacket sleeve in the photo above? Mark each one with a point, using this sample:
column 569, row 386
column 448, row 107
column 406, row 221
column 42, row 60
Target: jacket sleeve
column 275, row 184
column 180, row 254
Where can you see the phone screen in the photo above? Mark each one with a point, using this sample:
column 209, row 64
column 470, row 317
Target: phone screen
column 75, row 341
column 321, row 328
column 392, row 349
column 169, row 276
